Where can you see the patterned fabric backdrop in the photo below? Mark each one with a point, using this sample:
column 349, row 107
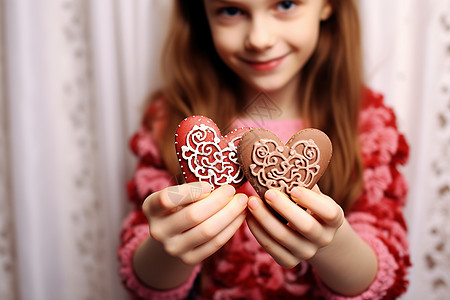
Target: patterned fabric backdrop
column 73, row 76
column 407, row 48
column 432, row 234
column 8, row 257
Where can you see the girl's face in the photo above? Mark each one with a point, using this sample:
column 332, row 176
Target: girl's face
column 266, row 42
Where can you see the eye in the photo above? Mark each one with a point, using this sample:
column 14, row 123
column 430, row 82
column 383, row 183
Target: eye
column 230, row 11
column 286, row 5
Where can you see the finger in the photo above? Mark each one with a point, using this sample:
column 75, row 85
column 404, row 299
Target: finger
column 280, row 254
column 321, row 205
column 283, row 234
column 194, row 214
column 212, row 226
column 298, row 219
column 205, row 250
column 174, row 196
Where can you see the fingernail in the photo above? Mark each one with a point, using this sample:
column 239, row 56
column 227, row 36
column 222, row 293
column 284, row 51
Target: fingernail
column 206, row 187
column 243, row 199
column 253, row 203
column 270, row 195
column 229, row 190
column 296, row 192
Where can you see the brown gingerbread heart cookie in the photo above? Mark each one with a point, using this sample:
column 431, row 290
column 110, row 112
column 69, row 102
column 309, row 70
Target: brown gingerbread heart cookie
column 270, row 164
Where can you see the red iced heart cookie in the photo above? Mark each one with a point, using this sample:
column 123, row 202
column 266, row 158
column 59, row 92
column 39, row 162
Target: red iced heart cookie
column 205, row 155
column 270, row 164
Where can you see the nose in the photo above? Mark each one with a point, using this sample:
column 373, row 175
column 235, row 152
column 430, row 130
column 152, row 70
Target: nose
column 260, row 35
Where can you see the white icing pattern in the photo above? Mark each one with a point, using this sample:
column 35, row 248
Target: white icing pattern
column 207, row 160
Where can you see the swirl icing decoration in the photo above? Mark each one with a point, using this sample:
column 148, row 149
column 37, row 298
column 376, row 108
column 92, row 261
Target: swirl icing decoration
column 276, row 170
column 205, row 155
column 268, row 163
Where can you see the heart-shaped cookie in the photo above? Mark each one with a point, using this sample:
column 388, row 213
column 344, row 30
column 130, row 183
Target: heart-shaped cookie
column 270, row 164
column 205, row 155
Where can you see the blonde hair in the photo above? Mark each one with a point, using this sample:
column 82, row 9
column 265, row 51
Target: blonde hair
column 198, row 82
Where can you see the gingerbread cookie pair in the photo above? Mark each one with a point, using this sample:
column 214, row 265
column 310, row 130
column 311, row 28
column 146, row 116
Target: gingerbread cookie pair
column 256, row 155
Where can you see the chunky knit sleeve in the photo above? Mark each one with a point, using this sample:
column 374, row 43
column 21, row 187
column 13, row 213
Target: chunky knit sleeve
column 377, row 216
column 149, row 176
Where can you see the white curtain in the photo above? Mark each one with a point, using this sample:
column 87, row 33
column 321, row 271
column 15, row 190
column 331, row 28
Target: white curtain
column 73, row 77
column 74, row 74
column 407, row 55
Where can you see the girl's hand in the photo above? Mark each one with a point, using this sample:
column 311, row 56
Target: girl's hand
column 306, row 232
column 191, row 222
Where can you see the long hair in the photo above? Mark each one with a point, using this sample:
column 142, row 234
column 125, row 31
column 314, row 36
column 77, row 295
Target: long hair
column 331, row 95
column 196, row 81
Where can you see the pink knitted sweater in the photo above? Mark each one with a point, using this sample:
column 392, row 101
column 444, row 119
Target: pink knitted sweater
column 242, row 269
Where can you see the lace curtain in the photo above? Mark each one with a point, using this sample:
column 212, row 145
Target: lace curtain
column 407, row 55
column 73, row 76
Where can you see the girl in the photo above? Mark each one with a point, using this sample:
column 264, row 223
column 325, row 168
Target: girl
column 184, row 240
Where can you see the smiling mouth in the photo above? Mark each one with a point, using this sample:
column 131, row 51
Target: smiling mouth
column 266, row 65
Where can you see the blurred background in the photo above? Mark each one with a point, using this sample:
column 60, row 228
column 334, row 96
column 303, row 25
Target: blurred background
column 73, row 77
